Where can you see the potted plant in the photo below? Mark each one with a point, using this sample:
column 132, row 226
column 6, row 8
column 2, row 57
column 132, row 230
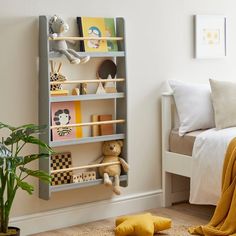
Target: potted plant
column 14, row 170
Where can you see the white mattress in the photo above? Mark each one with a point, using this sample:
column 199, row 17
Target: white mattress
column 208, row 156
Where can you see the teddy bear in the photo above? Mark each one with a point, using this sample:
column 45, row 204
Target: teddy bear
column 111, row 151
column 57, row 26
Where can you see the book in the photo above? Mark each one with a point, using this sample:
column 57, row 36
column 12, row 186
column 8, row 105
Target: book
column 108, row 128
column 64, row 113
column 110, row 32
column 61, row 161
column 92, row 27
column 95, row 128
column 61, row 92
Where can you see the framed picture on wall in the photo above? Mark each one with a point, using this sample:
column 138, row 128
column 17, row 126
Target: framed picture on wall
column 210, row 36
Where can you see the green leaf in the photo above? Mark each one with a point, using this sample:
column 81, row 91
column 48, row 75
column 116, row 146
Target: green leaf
column 37, row 173
column 4, row 151
column 27, row 159
column 29, row 129
column 34, row 140
column 2, row 125
column 24, row 133
column 16, row 161
column 14, row 137
column 34, row 129
column 25, row 186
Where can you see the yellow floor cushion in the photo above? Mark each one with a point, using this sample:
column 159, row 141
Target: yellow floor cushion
column 140, row 225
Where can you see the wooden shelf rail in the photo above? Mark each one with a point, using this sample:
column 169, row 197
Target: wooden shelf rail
column 87, row 81
column 88, row 124
column 85, row 167
column 86, row 38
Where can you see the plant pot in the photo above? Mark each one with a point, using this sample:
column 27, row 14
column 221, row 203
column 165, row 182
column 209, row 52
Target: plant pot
column 12, row 231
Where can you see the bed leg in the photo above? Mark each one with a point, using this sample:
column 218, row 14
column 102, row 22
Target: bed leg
column 167, row 189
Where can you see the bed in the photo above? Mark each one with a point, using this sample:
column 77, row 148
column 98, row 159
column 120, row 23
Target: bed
column 197, row 155
column 172, row 162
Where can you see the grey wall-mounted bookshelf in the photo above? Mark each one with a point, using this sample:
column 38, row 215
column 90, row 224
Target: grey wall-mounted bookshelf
column 45, row 100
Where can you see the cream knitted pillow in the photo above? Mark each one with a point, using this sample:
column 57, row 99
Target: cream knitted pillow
column 224, row 103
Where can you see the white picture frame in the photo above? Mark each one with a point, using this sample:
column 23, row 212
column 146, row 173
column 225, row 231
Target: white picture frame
column 210, row 36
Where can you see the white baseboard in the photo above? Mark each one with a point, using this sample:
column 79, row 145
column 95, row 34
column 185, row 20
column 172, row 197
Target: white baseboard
column 55, row 219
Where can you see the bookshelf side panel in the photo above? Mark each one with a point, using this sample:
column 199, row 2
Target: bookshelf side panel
column 121, row 104
column 44, row 107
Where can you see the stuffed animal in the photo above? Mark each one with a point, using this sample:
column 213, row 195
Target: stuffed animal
column 57, row 26
column 140, row 225
column 111, row 151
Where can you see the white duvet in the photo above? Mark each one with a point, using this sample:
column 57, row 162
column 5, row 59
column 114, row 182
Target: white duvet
column 208, row 158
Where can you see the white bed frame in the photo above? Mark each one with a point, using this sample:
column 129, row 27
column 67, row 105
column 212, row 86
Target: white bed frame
column 172, row 163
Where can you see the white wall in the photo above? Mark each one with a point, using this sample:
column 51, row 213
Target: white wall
column 160, row 46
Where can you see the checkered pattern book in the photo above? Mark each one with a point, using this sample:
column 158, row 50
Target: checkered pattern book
column 61, row 161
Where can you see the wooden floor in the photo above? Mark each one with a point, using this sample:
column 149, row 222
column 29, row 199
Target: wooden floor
column 182, row 215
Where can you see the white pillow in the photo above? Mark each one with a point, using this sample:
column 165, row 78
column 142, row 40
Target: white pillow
column 224, row 103
column 194, row 106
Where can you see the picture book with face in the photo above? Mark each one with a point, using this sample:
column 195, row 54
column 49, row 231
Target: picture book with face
column 95, row 28
column 63, row 114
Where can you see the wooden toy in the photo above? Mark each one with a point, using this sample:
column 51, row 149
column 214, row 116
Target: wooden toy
column 100, row 89
column 77, row 178
column 107, row 70
column 110, row 87
column 108, row 67
column 89, row 175
column 76, row 91
column 83, row 88
column 56, row 76
column 84, row 176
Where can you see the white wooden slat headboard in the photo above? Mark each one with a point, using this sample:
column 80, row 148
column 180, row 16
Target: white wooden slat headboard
column 169, row 117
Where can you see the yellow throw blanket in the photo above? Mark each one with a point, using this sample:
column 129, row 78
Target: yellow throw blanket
column 223, row 221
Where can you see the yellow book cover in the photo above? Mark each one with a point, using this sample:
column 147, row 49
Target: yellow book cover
column 92, row 27
column 78, row 118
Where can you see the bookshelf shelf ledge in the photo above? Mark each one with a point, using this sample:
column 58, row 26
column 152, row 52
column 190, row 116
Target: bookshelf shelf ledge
column 63, row 187
column 88, row 124
column 86, row 97
column 87, row 140
column 85, row 38
column 87, row 81
column 53, row 54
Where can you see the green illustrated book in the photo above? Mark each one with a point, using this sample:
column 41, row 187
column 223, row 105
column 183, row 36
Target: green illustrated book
column 110, row 32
